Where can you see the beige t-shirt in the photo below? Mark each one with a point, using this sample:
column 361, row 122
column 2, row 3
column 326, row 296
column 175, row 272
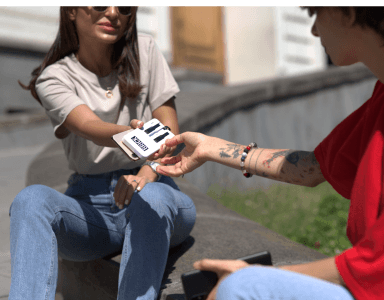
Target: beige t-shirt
column 66, row 84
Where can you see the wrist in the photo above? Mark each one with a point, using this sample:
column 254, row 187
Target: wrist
column 151, row 165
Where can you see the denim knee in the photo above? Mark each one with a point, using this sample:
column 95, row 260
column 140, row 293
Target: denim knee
column 239, row 283
column 32, row 200
column 160, row 197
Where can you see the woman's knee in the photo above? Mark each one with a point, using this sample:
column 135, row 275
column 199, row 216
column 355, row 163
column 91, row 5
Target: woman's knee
column 159, row 196
column 33, row 198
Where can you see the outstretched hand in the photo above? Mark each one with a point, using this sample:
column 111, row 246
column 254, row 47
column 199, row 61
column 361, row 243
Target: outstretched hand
column 190, row 158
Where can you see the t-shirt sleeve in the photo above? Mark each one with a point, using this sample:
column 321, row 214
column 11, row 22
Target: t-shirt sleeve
column 57, row 95
column 336, row 153
column 162, row 85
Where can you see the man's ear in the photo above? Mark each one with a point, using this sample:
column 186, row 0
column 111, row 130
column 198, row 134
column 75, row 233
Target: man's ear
column 350, row 19
column 72, row 11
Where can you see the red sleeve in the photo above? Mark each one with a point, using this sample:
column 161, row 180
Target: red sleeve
column 362, row 267
column 340, row 152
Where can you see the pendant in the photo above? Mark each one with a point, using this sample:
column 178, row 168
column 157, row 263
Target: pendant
column 109, row 93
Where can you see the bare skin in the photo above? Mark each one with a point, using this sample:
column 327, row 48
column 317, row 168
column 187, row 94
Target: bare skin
column 292, row 166
column 346, row 43
column 95, row 51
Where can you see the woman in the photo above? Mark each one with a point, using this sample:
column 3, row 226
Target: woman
column 350, row 159
column 98, row 77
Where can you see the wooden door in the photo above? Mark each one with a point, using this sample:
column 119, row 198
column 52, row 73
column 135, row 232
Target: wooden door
column 197, row 38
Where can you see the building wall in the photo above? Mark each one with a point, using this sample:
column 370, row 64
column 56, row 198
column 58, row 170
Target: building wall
column 30, row 28
column 250, row 43
column 298, row 51
column 268, row 42
column 35, row 27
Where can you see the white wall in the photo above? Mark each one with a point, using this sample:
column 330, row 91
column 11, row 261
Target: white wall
column 36, row 27
column 32, row 28
column 155, row 20
column 298, row 51
column 250, row 43
column 267, row 42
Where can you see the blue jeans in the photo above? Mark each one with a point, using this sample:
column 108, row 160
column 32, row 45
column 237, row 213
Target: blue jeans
column 85, row 224
column 265, row 283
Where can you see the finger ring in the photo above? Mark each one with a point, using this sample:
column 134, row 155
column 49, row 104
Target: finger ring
column 134, row 180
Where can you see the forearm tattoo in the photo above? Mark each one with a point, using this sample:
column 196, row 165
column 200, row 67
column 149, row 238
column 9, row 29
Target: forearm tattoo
column 232, row 150
column 291, row 156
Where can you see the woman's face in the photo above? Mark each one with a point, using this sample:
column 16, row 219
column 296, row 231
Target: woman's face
column 103, row 27
column 336, row 35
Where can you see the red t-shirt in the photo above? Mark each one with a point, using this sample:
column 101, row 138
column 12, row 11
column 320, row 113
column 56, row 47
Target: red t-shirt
column 351, row 160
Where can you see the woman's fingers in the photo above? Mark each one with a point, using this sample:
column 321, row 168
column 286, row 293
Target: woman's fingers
column 134, row 184
column 120, row 191
column 125, row 188
column 136, row 123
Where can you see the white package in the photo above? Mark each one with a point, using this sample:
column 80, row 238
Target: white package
column 147, row 140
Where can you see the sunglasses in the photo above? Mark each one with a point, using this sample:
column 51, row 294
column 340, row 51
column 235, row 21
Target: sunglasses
column 124, row 10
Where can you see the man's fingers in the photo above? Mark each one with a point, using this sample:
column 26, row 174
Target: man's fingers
column 171, row 160
column 177, row 139
column 213, row 265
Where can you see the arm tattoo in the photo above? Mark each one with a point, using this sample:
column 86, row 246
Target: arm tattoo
column 234, row 148
column 223, row 154
column 257, row 160
column 295, row 156
column 291, row 156
column 249, row 164
column 313, row 159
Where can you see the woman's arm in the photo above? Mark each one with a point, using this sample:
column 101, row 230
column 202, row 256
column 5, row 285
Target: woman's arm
column 85, row 123
column 297, row 167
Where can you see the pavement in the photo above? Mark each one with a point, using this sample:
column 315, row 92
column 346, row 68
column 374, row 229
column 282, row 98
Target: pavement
column 25, row 135
column 27, row 139
column 14, row 162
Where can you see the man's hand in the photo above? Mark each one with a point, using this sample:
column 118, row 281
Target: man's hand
column 222, row 268
column 190, row 158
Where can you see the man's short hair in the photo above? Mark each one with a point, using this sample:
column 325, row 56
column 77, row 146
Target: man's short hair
column 372, row 17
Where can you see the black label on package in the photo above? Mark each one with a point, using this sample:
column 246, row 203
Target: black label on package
column 139, row 143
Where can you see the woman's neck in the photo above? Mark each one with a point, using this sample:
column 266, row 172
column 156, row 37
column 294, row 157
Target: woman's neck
column 96, row 59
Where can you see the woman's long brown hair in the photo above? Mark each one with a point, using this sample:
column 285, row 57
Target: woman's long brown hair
column 125, row 58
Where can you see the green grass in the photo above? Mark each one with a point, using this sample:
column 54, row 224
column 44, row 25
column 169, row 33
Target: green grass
column 315, row 217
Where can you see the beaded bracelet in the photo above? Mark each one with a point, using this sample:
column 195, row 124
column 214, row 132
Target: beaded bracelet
column 243, row 156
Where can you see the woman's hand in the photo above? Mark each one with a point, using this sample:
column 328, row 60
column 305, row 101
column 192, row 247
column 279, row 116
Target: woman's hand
column 126, row 186
column 135, row 123
column 190, row 158
column 222, row 268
